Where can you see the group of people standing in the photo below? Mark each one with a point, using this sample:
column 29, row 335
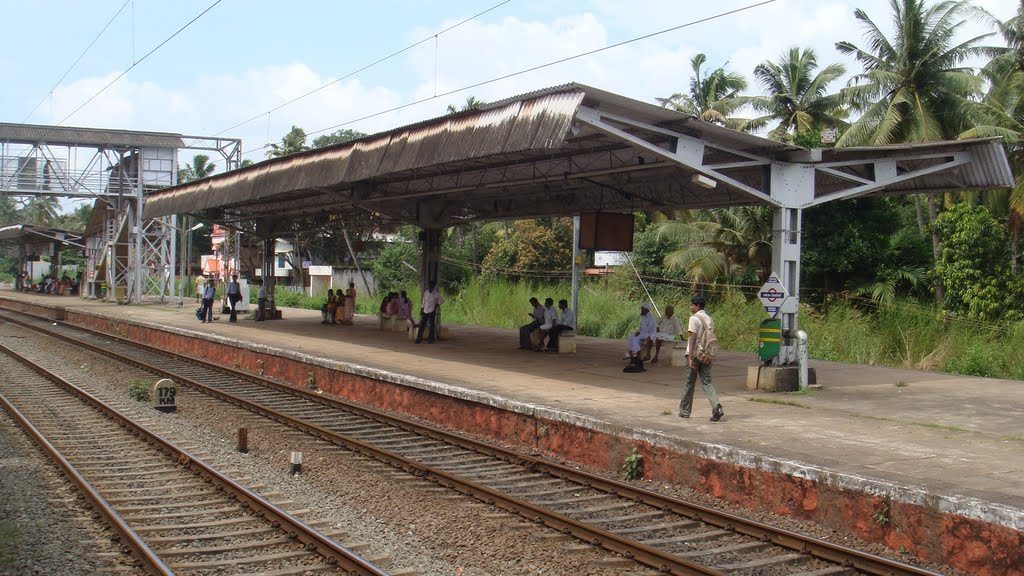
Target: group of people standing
column 547, row 323
column 206, row 293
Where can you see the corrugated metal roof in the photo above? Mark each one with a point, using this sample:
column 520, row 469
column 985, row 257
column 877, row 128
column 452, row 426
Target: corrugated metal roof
column 541, row 123
column 100, row 138
column 529, row 156
column 16, row 231
column 988, row 167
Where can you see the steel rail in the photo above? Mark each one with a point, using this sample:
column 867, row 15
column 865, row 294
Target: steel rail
column 142, row 553
column 333, row 552
column 842, row 555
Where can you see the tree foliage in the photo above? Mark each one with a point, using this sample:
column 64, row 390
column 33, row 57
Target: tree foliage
column 974, row 265
column 201, row 167
column 337, row 137
column 914, row 87
column 796, row 94
column 533, row 247
column 292, row 142
column 713, row 97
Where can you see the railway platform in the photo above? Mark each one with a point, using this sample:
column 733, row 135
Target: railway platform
column 927, row 462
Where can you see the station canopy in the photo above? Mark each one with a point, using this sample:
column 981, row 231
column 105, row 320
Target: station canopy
column 29, row 233
column 561, row 151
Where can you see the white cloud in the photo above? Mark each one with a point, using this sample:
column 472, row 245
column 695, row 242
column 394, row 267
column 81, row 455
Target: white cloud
column 476, row 52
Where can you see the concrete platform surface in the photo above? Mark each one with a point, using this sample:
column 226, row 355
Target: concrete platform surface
column 955, row 442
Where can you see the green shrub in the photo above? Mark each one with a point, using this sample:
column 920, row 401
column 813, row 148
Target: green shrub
column 138, row 389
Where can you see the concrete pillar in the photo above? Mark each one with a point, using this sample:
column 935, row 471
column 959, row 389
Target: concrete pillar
column 786, row 226
column 792, row 186
column 430, row 257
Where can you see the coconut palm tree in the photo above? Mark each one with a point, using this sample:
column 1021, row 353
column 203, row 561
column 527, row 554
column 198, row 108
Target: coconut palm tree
column 898, row 268
column 1001, row 113
column 796, row 96
column 292, row 142
column 199, row 168
column 712, row 97
column 733, row 243
column 8, row 210
column 914, row 87
column 41, row 210
column 471, row 104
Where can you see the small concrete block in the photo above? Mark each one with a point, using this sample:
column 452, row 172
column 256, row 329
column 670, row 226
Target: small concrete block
column 777, row 378
column 567, row 343
column 677, row 356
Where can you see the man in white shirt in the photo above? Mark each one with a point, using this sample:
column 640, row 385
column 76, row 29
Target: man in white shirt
column 547, row 323
column 536, row 319
column 639, row 343
column 429, row 305
column 669, row 330
column 699, row 322
column 261, row 302
column 566, row 321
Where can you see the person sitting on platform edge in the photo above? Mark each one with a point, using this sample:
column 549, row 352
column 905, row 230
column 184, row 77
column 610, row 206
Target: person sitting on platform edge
column 537, row 315
column 639, row 342
column 549, row 322
column 429, row 306
column 234, row 293
column 669, row 330
column 566, row 321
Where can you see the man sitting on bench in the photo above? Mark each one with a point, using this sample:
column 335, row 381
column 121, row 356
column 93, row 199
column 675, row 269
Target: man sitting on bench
column 566, row 321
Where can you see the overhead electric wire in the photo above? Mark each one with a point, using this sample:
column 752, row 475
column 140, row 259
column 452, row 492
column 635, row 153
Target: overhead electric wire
column 140, row 61
column 366, row 67
column 80, row 56
column 533, row 68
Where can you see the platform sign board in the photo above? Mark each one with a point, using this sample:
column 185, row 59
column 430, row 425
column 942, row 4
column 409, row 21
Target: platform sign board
column 773, row 294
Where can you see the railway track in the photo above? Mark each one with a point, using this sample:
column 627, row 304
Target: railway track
column 670, row 535
column 175, row 514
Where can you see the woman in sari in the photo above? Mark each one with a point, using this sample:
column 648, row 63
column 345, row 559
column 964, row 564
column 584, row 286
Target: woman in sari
column 350, row 304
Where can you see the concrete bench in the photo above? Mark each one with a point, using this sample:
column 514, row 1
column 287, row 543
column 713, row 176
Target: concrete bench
column 567, row 342
column 391, row 322
column 677, row 356
column 441, row 335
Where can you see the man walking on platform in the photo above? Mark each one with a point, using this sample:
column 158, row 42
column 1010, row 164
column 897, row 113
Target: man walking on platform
column 700, row 321
column 429, row 306
column 234, row 292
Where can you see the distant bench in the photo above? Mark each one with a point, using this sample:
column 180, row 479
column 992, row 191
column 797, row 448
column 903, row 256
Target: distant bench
column 391, row 322
column 566, row 341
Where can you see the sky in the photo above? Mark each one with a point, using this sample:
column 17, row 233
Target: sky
column 231, row 72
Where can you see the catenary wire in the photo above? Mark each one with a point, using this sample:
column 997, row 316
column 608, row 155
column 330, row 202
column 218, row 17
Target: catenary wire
column 532, row 69
column 140, row 60
column 367, row 66
column 80, row 56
